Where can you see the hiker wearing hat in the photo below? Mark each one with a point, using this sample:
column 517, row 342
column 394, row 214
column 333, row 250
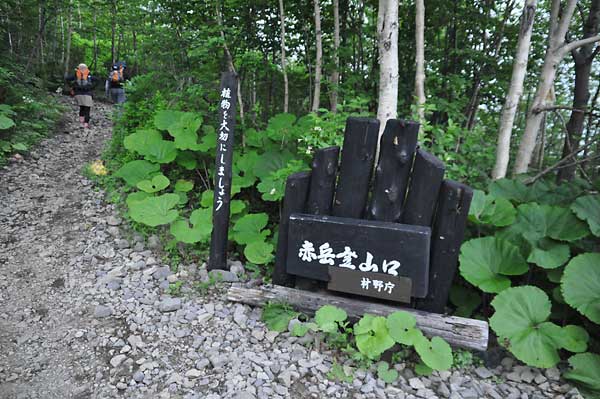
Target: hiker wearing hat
column 83, row 84
column 114, row 83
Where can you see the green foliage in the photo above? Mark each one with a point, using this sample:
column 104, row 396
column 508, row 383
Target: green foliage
column 337, row 373
column 435, row 353
column 277, row 316
column 154, row 185
column 588, row 208
column 551, row 229
column 385, row 373
column 585, row 371
column 135, row 171
column 154, row 211
column 329, row 318
column 372, row 336
column 580, row 285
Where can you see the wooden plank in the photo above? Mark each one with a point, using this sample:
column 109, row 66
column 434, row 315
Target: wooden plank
column 322, row 181
column 296, row 193
column 425, row 182
column 374, row 285
column 447, row 236
column 457, row 331
column 356, row 167
column 397, row 148
column 316, row 242
column 223, row 165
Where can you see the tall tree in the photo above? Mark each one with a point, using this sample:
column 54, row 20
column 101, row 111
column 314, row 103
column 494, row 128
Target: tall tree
column 335, row 74
column 283, row 66
column 420, row 59
column 319, row 58
column 69, row 34
column 558, row 48
column 387, row 33
column 583, row 58
column 515, row 90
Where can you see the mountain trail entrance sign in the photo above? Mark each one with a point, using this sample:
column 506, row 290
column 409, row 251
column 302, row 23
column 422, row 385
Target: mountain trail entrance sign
column 370, row 243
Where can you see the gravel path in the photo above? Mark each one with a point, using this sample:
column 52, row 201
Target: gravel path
column 84, row 311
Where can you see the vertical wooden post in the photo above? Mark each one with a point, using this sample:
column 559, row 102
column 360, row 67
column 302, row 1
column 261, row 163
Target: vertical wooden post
column 398, row 144
column 223, row 166
column 425, row 182
column 356, row 167
column 296, row 192
column 322, row 181
column 448, row 232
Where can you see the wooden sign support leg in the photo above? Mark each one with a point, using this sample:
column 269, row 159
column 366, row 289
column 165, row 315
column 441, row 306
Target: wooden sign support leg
column 447, row 235
column 296, row 192
column 356, row 167
column 398, row 144
column 322, row 182
column 425, row 182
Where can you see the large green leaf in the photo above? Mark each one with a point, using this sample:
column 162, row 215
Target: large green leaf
column 585, row 370
column 520, row 321
column 487, row 209
column 401, row 327
column 186, row 159
column 150, row 145
column 280, row 126
column 328, row 318
column 588, row 208
column 154, row 185
column 277, row 316
column 183, row 185
column 259, row 252
column 436, row 354
column 549, row 254
column 6, row 122
column 580, row 285
column 271, row 162
column 166, row 118
column 189, row 235
column 248, row 228
column 512, row 190
column 185, row 129
column 485, row 263
column 372, row 336
column 535, row 222
column 154, row 211
column 465, row 299
column 135, row 171
column 574, row 338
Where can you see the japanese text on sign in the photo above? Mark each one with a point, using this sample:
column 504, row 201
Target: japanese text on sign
column 346, row 259
column 225, row 104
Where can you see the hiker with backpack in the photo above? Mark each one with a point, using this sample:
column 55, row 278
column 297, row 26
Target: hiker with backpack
column 83, row 83
column 114, row 83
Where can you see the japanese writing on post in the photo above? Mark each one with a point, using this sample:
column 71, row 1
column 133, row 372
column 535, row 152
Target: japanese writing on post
column 347, row 258
column 224, row 105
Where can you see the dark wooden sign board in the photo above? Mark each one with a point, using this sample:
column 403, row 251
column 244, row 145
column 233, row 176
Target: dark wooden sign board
column 316, row 242
column 223, row 171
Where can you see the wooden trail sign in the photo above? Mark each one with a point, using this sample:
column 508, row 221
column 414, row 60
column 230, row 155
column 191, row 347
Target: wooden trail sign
column 223, row 170
column 375, row 249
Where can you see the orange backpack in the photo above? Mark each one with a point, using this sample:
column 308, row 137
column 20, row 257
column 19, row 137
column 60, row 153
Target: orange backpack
column 83, row 78
column 117, row 76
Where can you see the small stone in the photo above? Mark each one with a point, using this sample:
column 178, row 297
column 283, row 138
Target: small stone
column 117, row 360
column 175, row 378
column 483, row 372
column 102, row 311
column 259, row 334
column 202, row 364
column 153, row 242
column 527, row 375
column 170, row 304
column 162, row 273
column 237, row 268
column 121, row 386
column 138, row 376
column 540, row 379
column 219, row 361
column 514, row 376
column 193, row 373
column 443, row 390
column 553, row 374
column 224, row 275
column 113, row 221
column 416, row 383
column 507, row 363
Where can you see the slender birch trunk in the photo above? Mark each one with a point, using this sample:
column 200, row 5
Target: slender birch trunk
column 69, row 34
column 420, row 59
column 319, row 59
column 95, row 39
column 335, row 75
column 283, row 65
column 113, row 30
column 515, row 90
column 557, row 49
column 387, row 30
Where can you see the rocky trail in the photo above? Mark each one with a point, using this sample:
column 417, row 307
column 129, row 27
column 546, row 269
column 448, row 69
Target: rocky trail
column 85, row 310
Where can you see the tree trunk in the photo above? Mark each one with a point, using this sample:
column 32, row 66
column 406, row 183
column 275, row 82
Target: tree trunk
column 69, row 34
column 556, row 51
column 335, row 75
column 319, row 59
column 387, row 29
column 283, row 66
column 583, row 58
column 420, row 59
column 515, row 91
column 113, row 31
column 95, row 40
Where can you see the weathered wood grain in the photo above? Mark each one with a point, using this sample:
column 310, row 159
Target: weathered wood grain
column 457, row 331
